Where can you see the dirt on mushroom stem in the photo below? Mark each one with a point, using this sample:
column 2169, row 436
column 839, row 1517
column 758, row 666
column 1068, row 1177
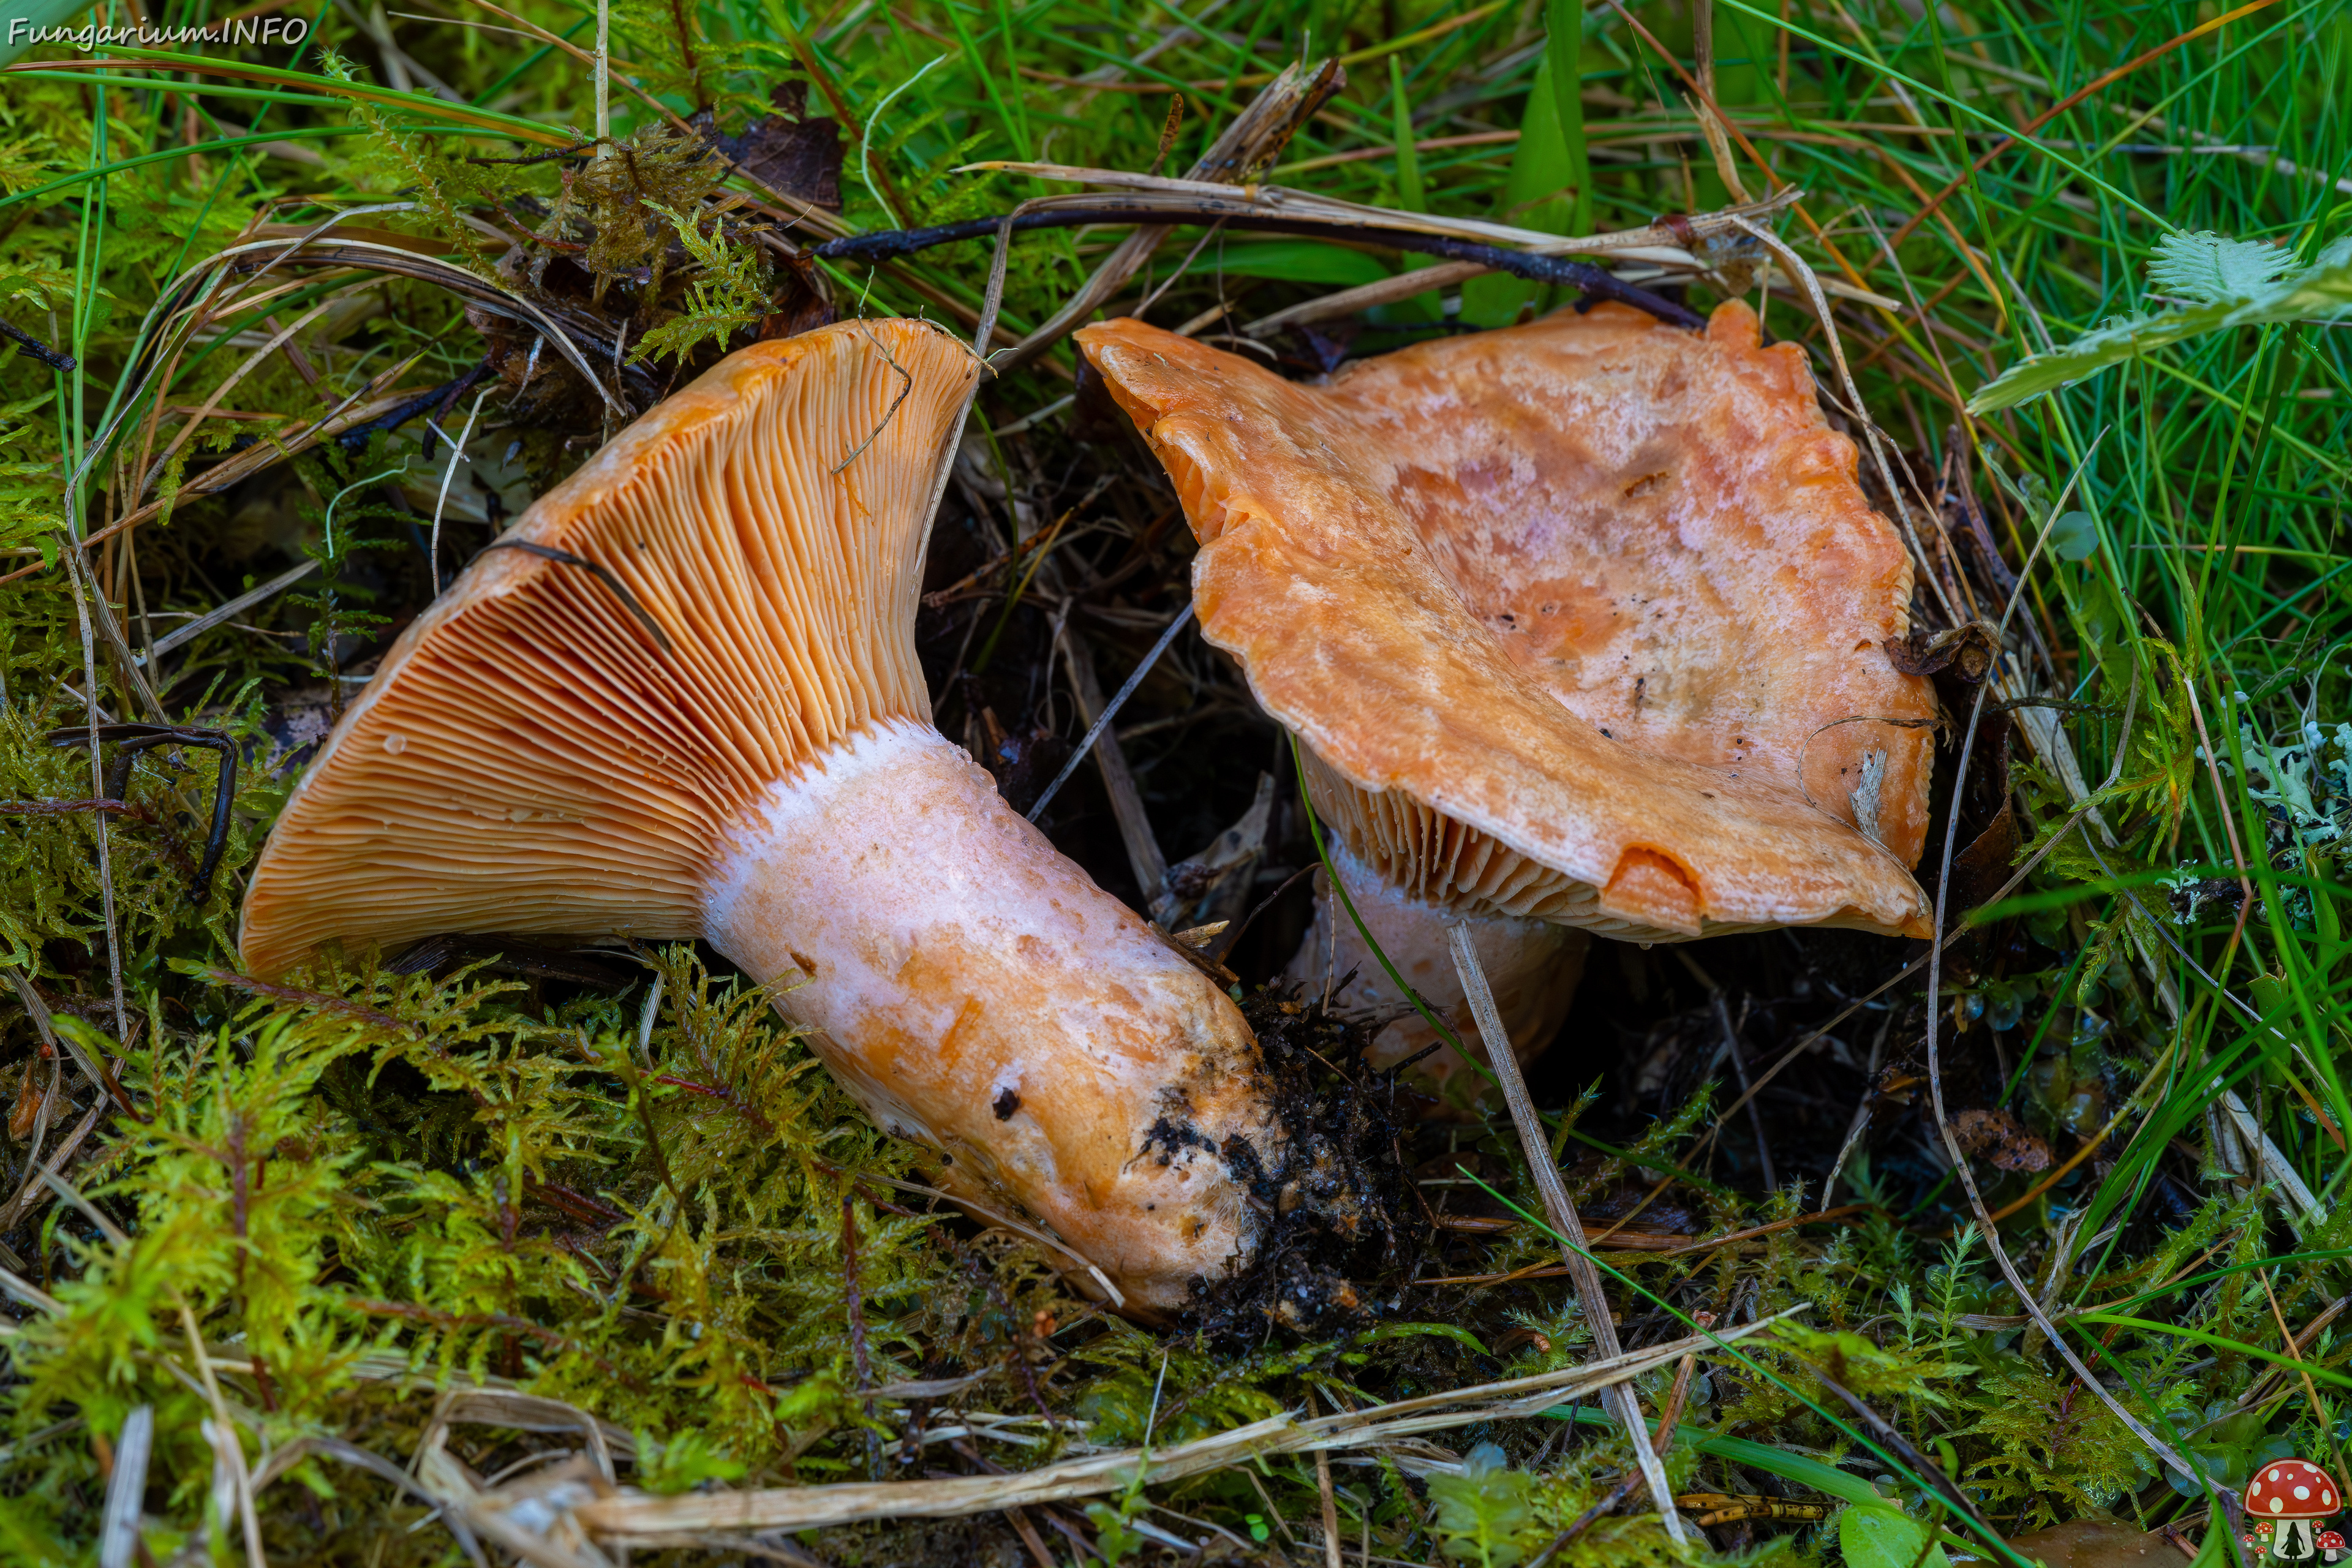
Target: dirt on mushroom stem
column 1342, row 1228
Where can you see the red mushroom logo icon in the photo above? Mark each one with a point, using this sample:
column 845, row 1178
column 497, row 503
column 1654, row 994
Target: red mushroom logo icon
column 2292, row 1496
column 2331, row 1544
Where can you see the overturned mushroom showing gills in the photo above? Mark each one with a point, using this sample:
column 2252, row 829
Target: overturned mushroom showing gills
column 1581, row 623
column 682, row 702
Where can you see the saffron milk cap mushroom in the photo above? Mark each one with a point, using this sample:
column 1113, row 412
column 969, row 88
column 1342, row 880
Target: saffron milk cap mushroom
column 680, row 698
column 1581, row 623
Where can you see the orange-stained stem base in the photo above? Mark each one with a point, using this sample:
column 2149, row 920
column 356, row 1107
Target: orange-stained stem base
column 1532, row 965
column 975, row 990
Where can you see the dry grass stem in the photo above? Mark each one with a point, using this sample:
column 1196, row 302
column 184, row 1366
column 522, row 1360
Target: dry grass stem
column 644, row 1520
column 1581, row 1272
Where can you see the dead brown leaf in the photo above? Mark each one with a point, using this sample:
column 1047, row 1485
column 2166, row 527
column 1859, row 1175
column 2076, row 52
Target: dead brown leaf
column 790, row 154
column 1968, row 649
column 2000, row 1138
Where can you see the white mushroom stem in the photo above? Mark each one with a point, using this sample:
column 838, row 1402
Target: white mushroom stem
column 1533, row 966
column 974, row 990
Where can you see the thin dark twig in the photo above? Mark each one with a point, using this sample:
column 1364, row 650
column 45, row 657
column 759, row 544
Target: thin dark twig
column 889, row 414
column 1430, row 1050
column 890, row 245
column 2062, row 705
column 392, row 418
column 37, row 348
column 1884, row 1430
column 853, row 1300
column 1739, row 1067
column 455, row 390
column 228, row 979
column 131, row 739
column 725, row 1096
column 559, row 153
column 604, row 574
column 1584, row 1521
column 1225, row 948
column 70, row 807
column 1103, row 719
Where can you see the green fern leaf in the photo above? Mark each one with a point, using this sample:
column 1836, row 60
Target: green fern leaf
column 2223, row 279
column 2206, row 268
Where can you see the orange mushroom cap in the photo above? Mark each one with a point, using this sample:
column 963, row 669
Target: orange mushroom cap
column 2293, row 1489
column 1582, row 619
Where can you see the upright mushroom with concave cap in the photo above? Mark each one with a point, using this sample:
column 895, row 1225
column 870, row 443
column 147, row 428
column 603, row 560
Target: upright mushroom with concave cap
column 682, row 701
column 1581, row 623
